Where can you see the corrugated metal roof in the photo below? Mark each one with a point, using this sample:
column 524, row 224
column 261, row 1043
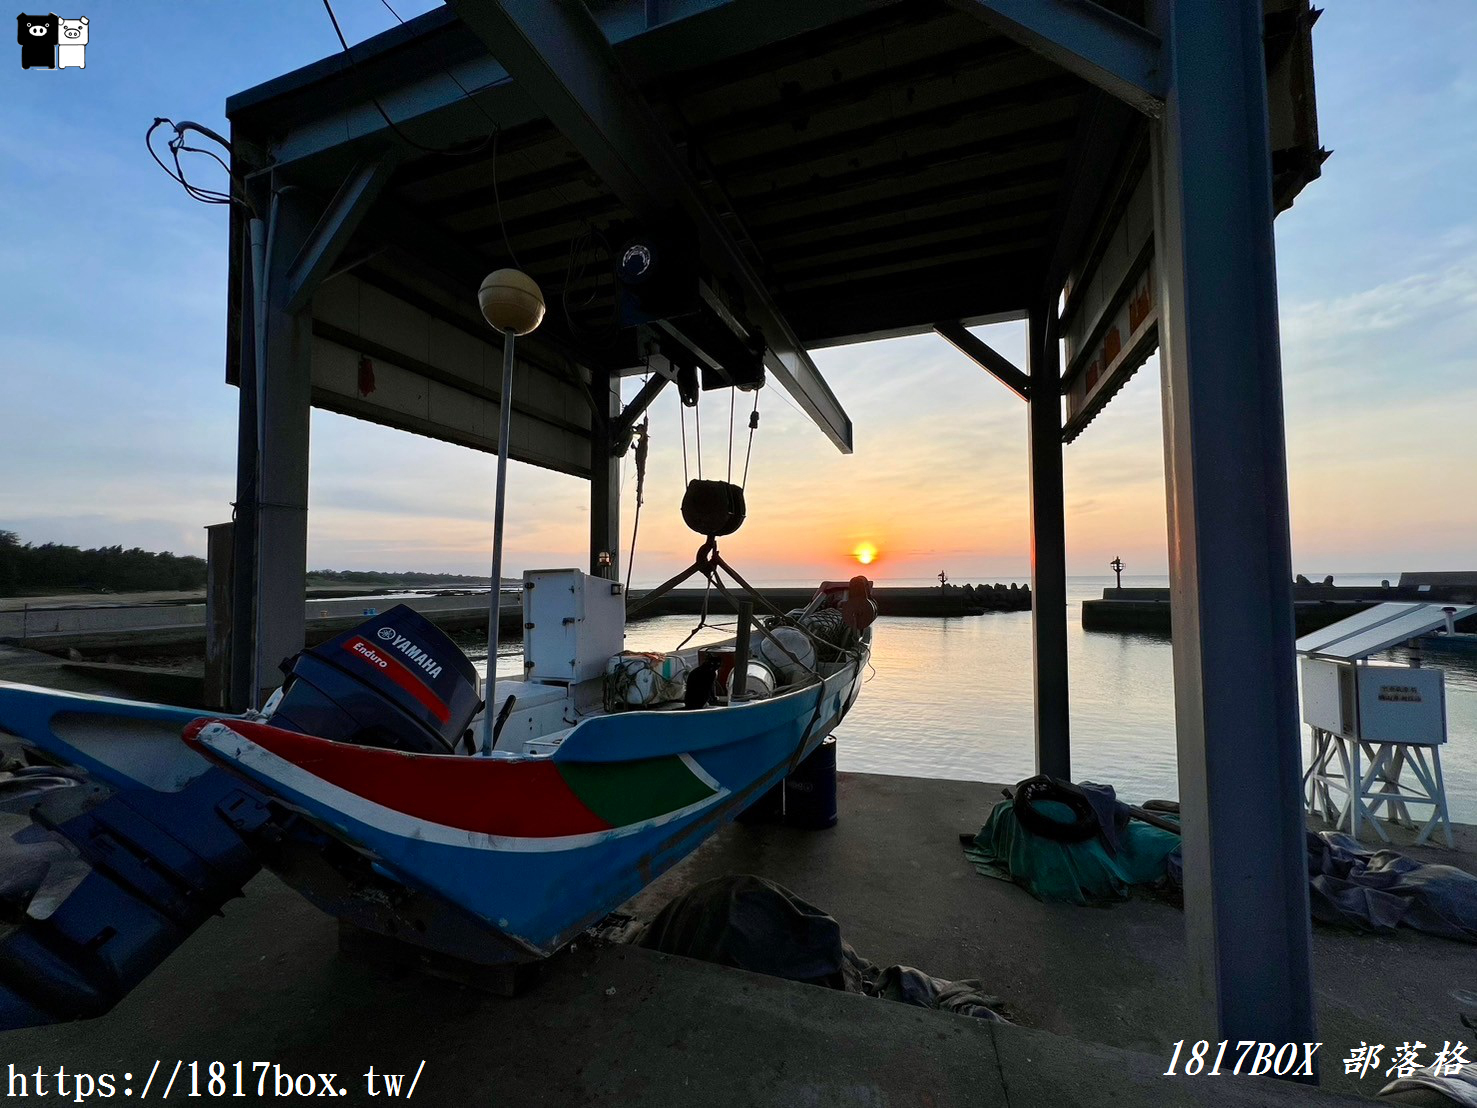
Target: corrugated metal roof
column 1377, row 629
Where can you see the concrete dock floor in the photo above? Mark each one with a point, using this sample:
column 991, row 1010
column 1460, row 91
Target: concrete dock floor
column 1098, row 994
column 893, row 874
column 619, row 1025
column 608, row 1026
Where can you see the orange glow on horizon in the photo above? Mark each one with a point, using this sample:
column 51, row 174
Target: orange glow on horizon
column 865, row 553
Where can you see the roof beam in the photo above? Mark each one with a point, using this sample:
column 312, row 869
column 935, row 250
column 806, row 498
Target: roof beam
column 986, row 357
column 560, row 57
column 1101, row 150
column 1087, row 39
column 886, row 307
column 315, row 261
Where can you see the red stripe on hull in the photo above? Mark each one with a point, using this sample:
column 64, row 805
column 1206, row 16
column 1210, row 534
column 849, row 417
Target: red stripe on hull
column 516, row 799
column 366, row 651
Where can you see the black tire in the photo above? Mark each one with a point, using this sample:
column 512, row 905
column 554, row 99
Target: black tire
column 1034, row 790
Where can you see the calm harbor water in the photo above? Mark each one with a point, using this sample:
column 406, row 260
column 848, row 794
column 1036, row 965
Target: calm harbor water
column 951, row 698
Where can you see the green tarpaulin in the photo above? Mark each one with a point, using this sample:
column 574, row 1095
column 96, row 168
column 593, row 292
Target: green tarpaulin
column 1077, row 873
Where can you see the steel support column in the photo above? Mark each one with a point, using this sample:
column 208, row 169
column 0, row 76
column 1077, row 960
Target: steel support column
column 242, row 687
column 283, row 404
column 985, row 356
column 605, row 479
column 320, row 253
column 1236, row 708
column 1048, row 549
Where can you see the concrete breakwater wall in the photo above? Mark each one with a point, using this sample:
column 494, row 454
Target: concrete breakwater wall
column 125, row 629
column 163, row 628
column 961, row 600
column 1314, row 605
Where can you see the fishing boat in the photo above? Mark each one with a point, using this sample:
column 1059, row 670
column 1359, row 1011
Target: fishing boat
column 571, row 813
column 395, row 817
column 484, row 822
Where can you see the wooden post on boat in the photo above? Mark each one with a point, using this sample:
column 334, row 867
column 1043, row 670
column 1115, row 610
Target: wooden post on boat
column 738, row 681
column 512, row 303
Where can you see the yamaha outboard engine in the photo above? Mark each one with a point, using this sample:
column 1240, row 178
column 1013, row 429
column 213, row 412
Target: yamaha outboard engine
column 394, row 681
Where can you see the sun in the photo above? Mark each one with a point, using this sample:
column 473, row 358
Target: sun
column 865, row 553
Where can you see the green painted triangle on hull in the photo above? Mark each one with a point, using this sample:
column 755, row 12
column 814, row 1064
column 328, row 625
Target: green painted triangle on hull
column 622, row 793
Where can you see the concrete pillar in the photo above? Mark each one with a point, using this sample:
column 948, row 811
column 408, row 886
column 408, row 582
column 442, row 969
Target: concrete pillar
column 219, row 579
column 1048, row 549
column 605, row 480
column 283, row 406
column 1236, row 707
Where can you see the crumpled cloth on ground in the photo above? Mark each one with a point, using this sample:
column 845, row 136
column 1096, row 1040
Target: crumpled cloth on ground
column 1112, row 814
column 1381, row 890
column 754, row 924
column 1427, row 1089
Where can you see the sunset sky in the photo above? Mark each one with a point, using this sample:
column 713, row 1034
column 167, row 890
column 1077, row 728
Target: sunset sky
column 116, row 426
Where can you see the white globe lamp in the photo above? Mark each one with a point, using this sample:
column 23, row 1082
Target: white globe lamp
column 511, row 301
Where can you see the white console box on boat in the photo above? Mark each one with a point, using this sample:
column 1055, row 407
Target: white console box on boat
column 572, row 624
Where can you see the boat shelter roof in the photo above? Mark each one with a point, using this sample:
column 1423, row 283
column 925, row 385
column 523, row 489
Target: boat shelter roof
column 851, row 169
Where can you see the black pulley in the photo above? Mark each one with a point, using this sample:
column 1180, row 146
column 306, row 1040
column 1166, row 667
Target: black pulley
column 713, row 507
column 687, row 385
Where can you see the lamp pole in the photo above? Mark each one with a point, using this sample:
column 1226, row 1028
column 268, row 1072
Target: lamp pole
column 513, row 304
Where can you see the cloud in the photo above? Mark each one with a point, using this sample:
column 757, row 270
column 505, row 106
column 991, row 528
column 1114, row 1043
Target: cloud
column 1404, row 302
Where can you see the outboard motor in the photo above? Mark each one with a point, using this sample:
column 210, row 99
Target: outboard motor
column 395, row 681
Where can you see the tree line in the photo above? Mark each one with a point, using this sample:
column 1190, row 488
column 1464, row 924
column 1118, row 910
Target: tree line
column 25, row 568
column 28, row 568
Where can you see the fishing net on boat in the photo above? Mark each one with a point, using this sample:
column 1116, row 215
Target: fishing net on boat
column 826, row 628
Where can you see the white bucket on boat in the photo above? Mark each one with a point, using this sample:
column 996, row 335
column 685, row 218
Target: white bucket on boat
column 760, row 684
column 788, row 652
column 642, row 680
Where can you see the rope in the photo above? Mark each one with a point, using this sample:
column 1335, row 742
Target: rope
column 708, row 562
column 753, row 426
column 731, row 393
column 820, row 693
column 641, row 448
column 682, row 417
column 702, row 617
column 697, row 422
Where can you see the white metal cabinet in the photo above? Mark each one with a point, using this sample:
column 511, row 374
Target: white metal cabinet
column 572, row 624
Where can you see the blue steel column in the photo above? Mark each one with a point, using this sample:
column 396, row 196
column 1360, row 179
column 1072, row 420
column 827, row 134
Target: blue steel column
column 1236, row 709
column 1048, row 549
column 242, row 650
